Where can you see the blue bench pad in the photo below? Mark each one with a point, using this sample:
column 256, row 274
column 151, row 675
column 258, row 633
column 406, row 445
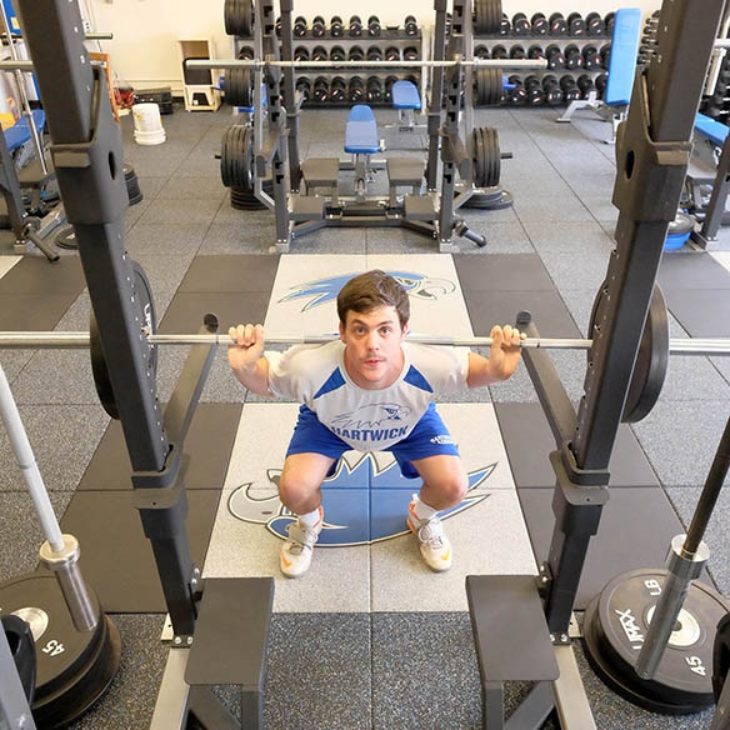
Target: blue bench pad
column 622, row 64
column 361, row 131
column 715, row 131
column 19, row 133
column 405, row 95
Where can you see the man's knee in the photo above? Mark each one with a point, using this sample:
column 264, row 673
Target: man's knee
column 453, row 487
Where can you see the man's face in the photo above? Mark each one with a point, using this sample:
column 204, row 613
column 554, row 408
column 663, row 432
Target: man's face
column 373, row 346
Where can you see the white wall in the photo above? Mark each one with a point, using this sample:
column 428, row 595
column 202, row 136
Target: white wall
column 145, row 51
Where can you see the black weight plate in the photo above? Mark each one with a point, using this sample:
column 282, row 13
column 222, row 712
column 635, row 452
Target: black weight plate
column 491, row 148
column 488, row 17
column 225, row 157
column 721, row 656
column 616, row 625
column 238, row 86
column 237, row 17
column 489, row 86
column 478, row 156
column 66, row 238
column 73, row 668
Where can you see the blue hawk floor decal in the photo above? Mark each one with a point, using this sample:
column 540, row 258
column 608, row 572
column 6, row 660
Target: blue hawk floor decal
column 346, row 523
column 321, row 291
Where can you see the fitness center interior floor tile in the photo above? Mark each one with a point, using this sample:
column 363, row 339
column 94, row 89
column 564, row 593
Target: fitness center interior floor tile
column 230, row 274
column 703, row 313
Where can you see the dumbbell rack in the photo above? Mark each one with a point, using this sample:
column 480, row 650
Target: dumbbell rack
column 563, row 41
column 389, row 37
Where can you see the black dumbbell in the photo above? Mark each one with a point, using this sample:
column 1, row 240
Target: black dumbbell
column 338, row 90
column 600, row 81
column 505, row 27
column 573, row 57
column 277, row 27
column 318, row 26
column 321, row 90
column 356, row 90
column 319, row 53
column 517, row 52
column 595, row 24
column 412, row 79
column 499, row 53
column 576, row 24
column 555, row 57
column 301, row 53
column 374, row 89
column 605, row 55
column 304, row 85
column 553, row 92
column 539, row 23
column 517, row 95
column 375, row 53
column 558, row 24
column 410, row 25
column 586, row 85
column 535, row 93
column 389, row 81
column 392, row 53
column 300, row 27
column 535, row 53
column 337, row 53
column 591, row 58
column 337, row 27
column 520, row 24
column 410, row 53
column 609, row 21
column 245, row 53
column 355, row 26
column 374, row 28
column 356, row 54
column 569, row 87
column 481, row 52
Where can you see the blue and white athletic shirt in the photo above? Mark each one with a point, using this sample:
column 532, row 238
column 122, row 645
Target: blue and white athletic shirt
column 367, row 420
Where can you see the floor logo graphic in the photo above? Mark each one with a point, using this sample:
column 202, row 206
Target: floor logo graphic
column 321, row 291
column 363, row 504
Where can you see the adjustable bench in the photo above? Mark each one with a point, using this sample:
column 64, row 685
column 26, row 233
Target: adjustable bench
column 19, row 133
column 406, row 101
column 621, row 72
column 361, row 141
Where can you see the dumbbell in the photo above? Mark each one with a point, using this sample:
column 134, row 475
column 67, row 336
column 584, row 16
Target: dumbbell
column 374, row 89
column 318, row 26
column 569, row 87
column 573, row 57
column 504, row 25
column 553, row 92
column 337, row 27
column 539, row 23
column 517, row 52
column 356, row 90
column 337, row 53
column 609, row 21
column 300, row 27
column 600, row 81
column 338, row 90
column 410, row 26
column 321, row 90
column 410, row 53
column 535, row 93
column 245, row 53
column 412, row 79
column 355, row 26
column 481, row 52
column 555, row 57
column 356, row 54
column 586, row 85
column 374, row 28
column 392, row 53
column 319, row 53
column 576, row 24
column 591, row 58
column 389, row 81
column 517, row 95
column 499, row 53
column 535, row 53
column 605, row 55
column 304, row 85
column 301, row 53
column 595, row 24
column 277, row 27
column 375, row 53
column 520, row 24
column 558, row 24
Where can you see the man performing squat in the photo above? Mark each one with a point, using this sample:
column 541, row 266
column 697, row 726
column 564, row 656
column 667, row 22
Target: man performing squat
column 370, row 391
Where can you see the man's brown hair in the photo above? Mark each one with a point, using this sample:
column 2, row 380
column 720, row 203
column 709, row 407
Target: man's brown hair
column 373, row 289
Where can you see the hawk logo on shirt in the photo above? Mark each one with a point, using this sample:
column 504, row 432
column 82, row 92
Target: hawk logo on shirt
column 372, row 416
column 363, row 503
column 321, row 291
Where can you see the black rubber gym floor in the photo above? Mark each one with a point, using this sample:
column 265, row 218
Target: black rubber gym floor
column 367, row 667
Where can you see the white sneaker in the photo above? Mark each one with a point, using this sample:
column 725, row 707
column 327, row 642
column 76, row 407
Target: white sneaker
column 295, row 555
column 435, row 546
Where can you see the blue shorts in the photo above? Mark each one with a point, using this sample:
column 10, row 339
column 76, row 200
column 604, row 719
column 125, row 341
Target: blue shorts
column 429, row 437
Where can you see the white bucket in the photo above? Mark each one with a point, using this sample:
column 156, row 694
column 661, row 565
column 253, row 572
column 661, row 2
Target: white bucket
column 148, row 129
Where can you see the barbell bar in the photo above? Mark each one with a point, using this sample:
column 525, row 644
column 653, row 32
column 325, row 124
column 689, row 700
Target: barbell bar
column 221, row 63
column 80, row 340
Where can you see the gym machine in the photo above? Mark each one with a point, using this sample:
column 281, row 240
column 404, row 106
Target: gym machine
column 522, row 625
column 229, row 647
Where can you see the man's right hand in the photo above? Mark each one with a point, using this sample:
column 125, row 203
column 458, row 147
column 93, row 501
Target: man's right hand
column 247, row 346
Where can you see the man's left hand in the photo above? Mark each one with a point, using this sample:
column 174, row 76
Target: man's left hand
column 504, row 354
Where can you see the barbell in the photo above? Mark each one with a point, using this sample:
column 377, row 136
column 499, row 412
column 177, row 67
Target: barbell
column 228, row 63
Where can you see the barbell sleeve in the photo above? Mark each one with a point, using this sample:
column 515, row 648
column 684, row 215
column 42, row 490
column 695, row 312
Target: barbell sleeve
column 80, row 340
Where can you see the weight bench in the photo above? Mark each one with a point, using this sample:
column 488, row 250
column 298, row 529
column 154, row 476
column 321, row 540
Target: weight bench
column 406, row 101
column 621, row 72
column 361, row 141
